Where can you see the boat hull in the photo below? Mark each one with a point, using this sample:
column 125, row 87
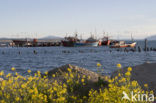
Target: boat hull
column 106, row 43
column 94, row 44
column 68, row 43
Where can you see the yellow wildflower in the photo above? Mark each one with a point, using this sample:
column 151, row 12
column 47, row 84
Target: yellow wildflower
column 123, row 80
column 127, row 73
column 146, row 85
column 2, row 101
column 16, row 73
column 84, row 76
column 88, row 77
column 119, row 74
column 1, row 73
column 98, row 65
column 82, row 80
column 134, row 83
column 17, row 99
column 116, row 77
column 31, row 91
column 29, row 71
column 53, row 75
column 110, row 85
column 9, row 74
column 129, row 69
column 46, row 73
column 151, row 92
column 71, row 75
column 69, row 69
column 38, row 72
column 23, row 85
column 109, row 80
column 119, row 65
column 13, row 69
column 66, row 74
column 64, row 85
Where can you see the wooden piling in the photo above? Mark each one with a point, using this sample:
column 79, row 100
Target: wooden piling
column 139, row 49
column 145, row 44
column 35, row 52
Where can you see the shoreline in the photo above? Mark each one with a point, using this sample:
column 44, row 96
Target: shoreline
column 143, row 74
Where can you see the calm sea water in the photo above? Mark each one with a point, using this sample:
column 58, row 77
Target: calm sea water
column 48, row 58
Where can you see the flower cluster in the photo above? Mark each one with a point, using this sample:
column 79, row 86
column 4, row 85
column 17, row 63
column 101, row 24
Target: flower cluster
column 38, row 88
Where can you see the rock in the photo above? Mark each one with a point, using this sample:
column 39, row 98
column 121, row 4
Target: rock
column 82, row 71
column 92, row 82
column 144, row 74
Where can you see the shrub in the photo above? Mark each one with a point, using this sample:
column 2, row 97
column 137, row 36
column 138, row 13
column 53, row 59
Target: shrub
column 15, row 88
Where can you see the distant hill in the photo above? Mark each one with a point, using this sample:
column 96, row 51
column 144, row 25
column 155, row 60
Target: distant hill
column 153, row 37
column 51, row 37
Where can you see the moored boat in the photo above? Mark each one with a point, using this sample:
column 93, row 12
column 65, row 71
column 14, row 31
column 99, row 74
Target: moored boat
column 89, row 42
column 122, row 44
column 69, row 41
column 22, row 42
column 106, row 41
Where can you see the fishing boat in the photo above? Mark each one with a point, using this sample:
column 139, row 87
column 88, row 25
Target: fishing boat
column 22, row 42
column 89, row 42
column 122, row 44
column 69, row 41
column 105, row 41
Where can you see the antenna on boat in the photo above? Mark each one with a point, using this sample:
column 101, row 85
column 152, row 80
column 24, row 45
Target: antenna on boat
column 92, row 36
column 132, row 37
column 107, row 34
column 76, row 34
column 81, row 36
column 95, row 32
column 66, row 34
column 118, row 36
column 103, row 33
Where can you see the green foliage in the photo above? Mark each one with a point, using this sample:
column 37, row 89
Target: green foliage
column 38, row 89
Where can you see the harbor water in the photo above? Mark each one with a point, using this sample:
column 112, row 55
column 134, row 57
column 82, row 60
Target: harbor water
column 47, row 58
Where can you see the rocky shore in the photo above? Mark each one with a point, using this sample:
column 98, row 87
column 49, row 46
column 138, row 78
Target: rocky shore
column 144, row 74
column 92, row 82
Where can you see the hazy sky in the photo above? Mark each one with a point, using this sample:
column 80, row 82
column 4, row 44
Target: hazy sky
column 38, row 18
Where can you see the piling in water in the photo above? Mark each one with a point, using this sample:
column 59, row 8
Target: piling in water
column 139, row 49
column 145, row 44
column 35, row 52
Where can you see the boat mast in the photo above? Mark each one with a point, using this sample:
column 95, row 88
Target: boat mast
column 132, row 37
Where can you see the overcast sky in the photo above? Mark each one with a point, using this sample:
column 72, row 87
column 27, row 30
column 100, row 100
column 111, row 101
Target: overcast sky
column 39, row 18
